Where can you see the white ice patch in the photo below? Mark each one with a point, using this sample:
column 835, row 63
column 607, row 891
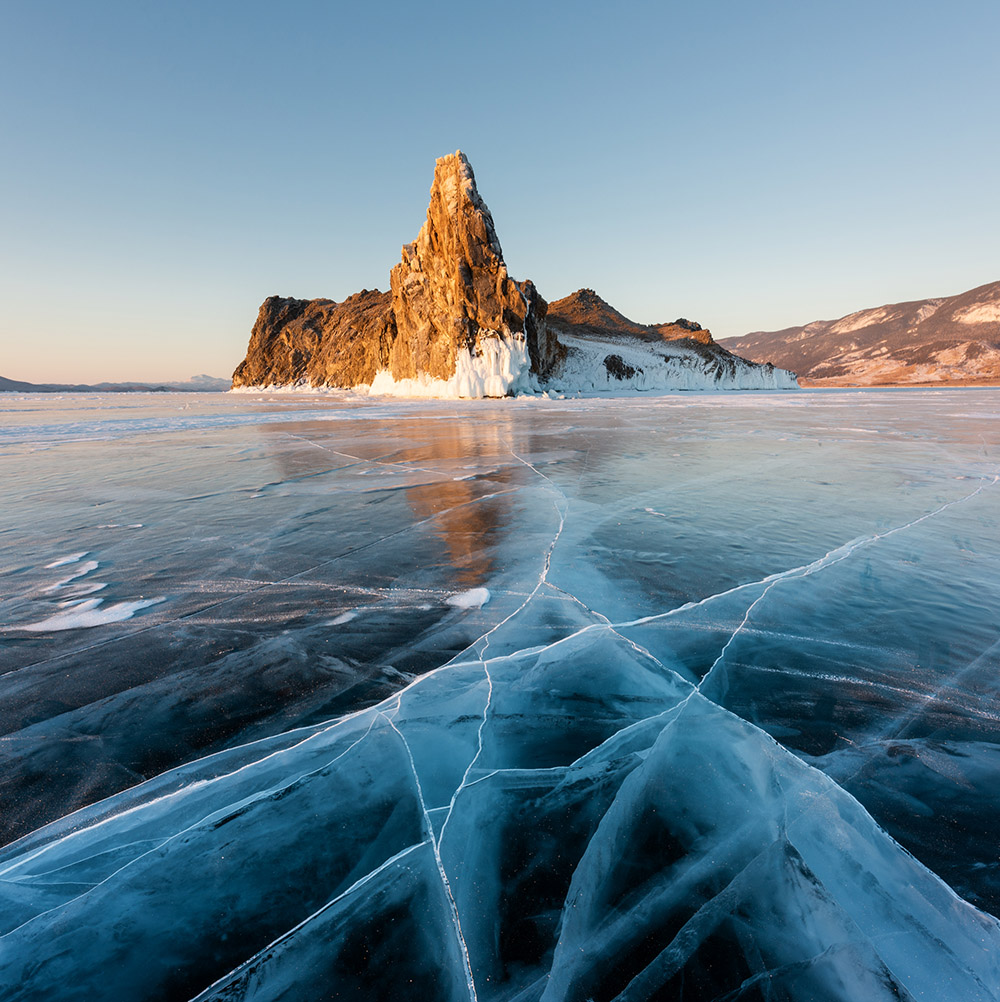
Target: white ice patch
column 344, row 617
column 82, row 615
column 474, row 598
column 500, row 365
column 72, row 559
column 79, row 572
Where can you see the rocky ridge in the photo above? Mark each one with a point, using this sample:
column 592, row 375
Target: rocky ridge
column 584, row 312
column 455, row 324
column 954, row 339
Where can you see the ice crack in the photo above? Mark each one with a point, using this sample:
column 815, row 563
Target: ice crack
column 479, row 750
column 445, row 883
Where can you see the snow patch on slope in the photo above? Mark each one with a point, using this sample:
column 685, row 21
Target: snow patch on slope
column 981, row 313
column 856, row 321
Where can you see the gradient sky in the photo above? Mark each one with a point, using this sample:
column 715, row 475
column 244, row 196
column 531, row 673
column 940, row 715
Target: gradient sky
column 747, row 165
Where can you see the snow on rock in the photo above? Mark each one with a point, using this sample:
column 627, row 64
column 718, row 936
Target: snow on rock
column 980, row 313
column 627, row 365
column 498, row 367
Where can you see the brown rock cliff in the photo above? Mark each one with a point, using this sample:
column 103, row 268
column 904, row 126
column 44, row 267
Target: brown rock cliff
column 319, row 341
column 451, row 287
column 454, row 314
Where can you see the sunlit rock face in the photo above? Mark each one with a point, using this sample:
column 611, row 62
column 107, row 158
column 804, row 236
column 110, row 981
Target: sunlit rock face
column 318, row 341
column 457, row 325
column 451, row 291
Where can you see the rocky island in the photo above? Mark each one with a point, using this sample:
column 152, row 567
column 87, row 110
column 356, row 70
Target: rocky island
column 455, row 324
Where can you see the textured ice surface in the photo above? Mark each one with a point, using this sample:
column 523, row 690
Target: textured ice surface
column 689, row 697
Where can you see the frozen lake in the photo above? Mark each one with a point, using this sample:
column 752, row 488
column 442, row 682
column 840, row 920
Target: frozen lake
column 690, row 696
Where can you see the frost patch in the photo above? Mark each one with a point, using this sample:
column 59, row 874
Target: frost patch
column 474, row 598
column 344, row 617
column 79, row 572
column 72, row 559
column 83, row 615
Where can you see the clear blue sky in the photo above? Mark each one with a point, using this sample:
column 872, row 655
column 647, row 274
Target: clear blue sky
column 746, row 165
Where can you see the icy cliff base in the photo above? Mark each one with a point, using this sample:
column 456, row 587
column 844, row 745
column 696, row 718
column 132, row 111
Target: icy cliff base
column 497, row 367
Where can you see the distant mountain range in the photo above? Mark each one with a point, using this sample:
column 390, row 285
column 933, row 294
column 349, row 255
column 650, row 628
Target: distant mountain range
column 196, row 384
column 955, row 339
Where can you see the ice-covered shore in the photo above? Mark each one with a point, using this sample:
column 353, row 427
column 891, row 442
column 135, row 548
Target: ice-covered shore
column 590, row 368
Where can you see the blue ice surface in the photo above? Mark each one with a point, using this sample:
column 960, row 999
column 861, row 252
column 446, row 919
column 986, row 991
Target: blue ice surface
column 681, row 696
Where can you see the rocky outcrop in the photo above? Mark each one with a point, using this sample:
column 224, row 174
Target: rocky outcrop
column 605, row 351
column 319, row 342
column 451, row 289
column 456, row 324
column 584, row 312
column 949, row 340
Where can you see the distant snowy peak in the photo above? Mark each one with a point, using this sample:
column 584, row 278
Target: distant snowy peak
column 950, row 339
column 455, row 324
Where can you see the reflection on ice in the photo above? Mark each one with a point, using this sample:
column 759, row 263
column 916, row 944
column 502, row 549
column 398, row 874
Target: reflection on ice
column 604, row 700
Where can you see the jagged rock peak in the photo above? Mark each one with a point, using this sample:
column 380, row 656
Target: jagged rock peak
column 455, row 324
column 454, row 195
column 451, row 287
